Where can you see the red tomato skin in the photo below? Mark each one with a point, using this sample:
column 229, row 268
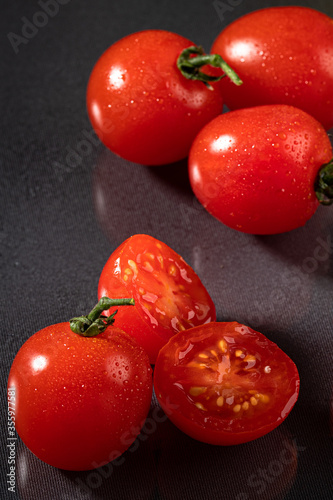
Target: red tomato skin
column 80, row 402
column 200, row 424
column 254, row 169
column 146, row 327
column 283, row 55
column 141, row 106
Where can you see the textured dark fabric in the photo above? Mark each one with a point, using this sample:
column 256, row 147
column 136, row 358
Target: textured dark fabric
column 67, row 203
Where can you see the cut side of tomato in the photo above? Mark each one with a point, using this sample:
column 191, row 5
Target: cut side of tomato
column 169, row 296
column 226, row 383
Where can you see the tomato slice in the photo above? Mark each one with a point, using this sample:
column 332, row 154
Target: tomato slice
column 224, row 383
column 169, row 296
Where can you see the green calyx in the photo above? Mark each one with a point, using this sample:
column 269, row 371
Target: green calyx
column 189, row 66
column 324, row 184
column 95, row 323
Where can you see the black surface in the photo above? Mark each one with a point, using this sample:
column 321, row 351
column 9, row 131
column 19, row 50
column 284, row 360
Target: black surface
column 63, row 214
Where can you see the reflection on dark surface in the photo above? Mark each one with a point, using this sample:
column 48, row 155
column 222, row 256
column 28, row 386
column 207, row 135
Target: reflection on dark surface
column 165, row 464
column 263, row 469
column 131, row 199
column 272, row 277
column 131, row 476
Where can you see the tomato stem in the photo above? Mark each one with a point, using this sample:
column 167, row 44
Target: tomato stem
column 94, row 323
column 190, row 66
column 324, row 184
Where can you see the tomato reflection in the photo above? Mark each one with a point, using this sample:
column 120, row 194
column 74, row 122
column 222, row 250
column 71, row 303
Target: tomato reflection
column 131, row 199
column 278, row 271
column 265, row 468
column 35, row 479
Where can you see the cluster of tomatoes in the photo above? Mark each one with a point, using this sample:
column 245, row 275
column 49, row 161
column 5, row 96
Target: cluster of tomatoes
column 83, row 388
column 154, row 98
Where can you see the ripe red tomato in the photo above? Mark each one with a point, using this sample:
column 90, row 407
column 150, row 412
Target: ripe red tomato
column 284, row 55
column 169, row 295
column 79, row 402
column 224, row 383
column 255, row 169
column 139, row 103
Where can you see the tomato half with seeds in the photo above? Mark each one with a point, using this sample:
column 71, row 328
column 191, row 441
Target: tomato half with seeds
column 169, row 295
column 224, row 383
column 283, row 55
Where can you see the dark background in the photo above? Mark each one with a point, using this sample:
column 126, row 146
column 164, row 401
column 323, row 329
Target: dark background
column 67, row 203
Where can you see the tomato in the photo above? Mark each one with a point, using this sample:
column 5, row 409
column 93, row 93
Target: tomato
column 169, row 295
column 283, row 56
column 79, row 402
column 139, row 103
column 255, row 169
column 224, row 383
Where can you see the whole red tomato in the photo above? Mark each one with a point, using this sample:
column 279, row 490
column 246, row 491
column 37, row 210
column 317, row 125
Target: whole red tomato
column 224, row 383
column 169, row 295
column 256, row 169
column 284, row 55
column 79, row 401
column 139, row 103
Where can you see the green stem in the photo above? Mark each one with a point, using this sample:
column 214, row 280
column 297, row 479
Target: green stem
column 190, row 66
column 94, row 323
column 324, row 184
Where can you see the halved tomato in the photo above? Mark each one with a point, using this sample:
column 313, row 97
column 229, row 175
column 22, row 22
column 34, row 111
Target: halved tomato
column 169, row 296
column 224, row 383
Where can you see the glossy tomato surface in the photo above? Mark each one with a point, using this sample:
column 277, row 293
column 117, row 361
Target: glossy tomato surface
column 169, row 295
column 141, row 106
column 224, row 383
column 283, row 56
column 254, row 169
column 80, row 402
